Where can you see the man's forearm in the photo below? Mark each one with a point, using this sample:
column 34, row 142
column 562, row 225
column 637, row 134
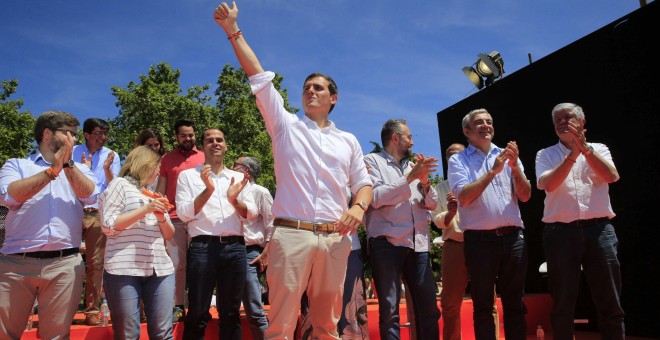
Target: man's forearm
column 473, row 190
column 81, row 185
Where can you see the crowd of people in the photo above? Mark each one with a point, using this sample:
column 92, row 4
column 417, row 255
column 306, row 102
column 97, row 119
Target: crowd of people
column 164, row 232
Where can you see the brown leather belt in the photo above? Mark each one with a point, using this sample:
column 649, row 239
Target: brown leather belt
column 498, row 231
column 297, row 224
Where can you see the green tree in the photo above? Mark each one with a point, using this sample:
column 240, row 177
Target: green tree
column 157, row 102
column 242, row 123
column 16, row 128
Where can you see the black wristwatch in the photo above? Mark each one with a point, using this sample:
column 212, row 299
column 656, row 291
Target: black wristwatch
column 68, row 164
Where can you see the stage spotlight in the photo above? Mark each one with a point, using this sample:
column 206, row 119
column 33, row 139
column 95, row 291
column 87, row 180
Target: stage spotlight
column 489, row 66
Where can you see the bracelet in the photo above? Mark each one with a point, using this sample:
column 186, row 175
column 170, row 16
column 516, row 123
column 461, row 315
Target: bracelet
column 569, row 159
column 51, row 173
column 163, row 221
column 234, row 35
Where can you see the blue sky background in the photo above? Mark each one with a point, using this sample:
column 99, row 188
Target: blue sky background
column 390, row 59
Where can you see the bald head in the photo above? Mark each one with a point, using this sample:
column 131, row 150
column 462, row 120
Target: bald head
column 453, row 149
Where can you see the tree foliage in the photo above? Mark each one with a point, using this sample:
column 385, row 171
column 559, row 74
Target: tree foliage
column 16, row 127
column 242, row 123
column 157, row 102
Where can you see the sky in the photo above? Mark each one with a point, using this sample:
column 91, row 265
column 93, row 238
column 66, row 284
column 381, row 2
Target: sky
column 390, row 59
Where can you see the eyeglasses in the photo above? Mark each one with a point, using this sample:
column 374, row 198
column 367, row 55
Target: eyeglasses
column 240, row 164
column 99, row 133
column 65, row 131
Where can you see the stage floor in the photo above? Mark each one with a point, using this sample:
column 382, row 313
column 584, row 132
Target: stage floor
column 538, row 306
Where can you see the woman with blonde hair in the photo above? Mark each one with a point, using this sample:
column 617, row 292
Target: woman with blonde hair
column 137, row 265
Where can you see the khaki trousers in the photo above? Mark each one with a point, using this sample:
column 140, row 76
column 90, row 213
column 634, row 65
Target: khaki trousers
column 300, row 260
column 55, row 283
column 454, row 282
column 95, row 241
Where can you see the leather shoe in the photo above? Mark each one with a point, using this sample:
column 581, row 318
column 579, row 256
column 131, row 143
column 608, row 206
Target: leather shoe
column 92, row 320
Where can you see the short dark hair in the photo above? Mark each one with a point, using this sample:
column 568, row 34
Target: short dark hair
column 390, row 127
column 91, row 123
column 183, row 122
column 53, row 120
column 332, row 86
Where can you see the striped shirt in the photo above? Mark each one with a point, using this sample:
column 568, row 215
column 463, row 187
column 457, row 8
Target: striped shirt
column 138, row 250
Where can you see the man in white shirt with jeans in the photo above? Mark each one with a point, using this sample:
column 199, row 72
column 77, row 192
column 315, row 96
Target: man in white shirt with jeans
column 314, row 163
column 578, row 232
column 210, row 198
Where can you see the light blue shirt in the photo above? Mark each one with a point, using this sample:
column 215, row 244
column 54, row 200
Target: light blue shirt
column 51, row 219
column 399, row 211
column 497, row 205
column 98, row 158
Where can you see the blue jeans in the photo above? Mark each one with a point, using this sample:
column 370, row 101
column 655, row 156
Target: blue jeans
column 252, row 303
column 502, row 259
column 353, row 321
column 594, row 247
column 389, row 265
column 124, row 292
column 210, row 265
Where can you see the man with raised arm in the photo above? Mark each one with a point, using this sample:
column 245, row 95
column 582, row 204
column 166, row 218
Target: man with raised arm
column 314, row 163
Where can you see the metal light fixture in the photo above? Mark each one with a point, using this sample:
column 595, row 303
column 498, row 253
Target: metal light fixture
column 489, row 66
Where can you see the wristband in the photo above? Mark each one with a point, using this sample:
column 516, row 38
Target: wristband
column 51, row 173
column 234, row 35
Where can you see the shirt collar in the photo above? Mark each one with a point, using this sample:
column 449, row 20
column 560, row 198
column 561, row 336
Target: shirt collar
column 312, row 124
column 36, row 157
column 471, row 149
column 187, row 153
column 390, row 159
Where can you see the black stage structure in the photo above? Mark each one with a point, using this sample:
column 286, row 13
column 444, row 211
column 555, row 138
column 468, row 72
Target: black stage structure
column 610, row 74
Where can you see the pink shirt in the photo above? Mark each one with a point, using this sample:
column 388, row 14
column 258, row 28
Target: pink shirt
column 313, row 166
column 583, row 195
column 171, row 166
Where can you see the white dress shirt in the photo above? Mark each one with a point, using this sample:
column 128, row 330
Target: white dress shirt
column 218, row 217
column 258, row 231
column 313, row 165
column 583, row 195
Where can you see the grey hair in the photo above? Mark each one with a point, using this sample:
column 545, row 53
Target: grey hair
column 469, row 115
column 390, row 127
column 573, row 108
column 254, row 167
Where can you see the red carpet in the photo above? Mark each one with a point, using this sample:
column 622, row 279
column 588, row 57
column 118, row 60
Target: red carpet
column 538, row 307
